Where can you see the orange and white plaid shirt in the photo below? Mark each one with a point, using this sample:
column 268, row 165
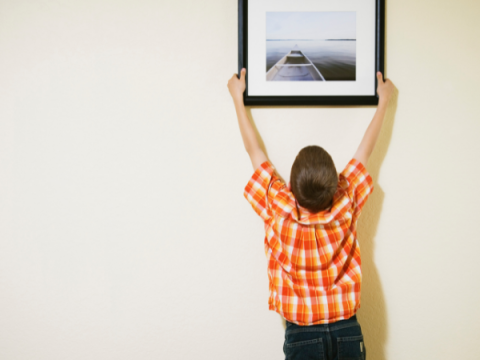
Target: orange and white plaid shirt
column 313, row 259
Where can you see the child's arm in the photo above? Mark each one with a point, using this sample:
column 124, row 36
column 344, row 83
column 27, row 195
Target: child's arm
column 384, row 90
column 236, row 87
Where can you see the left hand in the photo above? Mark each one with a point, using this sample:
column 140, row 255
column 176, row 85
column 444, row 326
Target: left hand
column 237, row 86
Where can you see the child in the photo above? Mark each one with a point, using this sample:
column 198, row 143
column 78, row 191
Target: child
column 311, row 246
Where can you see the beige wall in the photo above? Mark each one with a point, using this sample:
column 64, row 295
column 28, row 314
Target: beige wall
column 123, row 230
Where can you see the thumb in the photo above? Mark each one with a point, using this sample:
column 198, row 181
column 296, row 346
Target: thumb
column 242, row 74
column 380, row 77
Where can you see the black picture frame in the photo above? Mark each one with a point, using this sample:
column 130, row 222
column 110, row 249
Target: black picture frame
column 310, row 100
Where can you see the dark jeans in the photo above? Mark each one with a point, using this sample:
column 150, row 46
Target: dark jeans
column 341, row 340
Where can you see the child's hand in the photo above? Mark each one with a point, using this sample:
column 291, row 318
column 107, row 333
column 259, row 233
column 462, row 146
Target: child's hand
column 236, row 86
column 385, row 88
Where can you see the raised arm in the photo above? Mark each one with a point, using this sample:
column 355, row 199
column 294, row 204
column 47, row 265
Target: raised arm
column 236, row 87
column 385, row 91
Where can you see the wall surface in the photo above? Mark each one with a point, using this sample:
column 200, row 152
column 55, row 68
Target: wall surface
column 124, row 233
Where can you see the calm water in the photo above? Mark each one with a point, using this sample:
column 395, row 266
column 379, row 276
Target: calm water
column 336, row 60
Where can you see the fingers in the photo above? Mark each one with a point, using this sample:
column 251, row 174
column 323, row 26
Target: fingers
column 242, row 74
column 380, row 77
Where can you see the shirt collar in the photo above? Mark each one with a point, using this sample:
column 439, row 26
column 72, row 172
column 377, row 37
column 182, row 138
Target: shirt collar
column 305, row 217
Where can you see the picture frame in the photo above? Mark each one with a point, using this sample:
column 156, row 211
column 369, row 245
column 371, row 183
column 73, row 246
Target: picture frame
column 343, row 39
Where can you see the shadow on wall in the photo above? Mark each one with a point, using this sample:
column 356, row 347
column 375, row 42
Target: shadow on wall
column 372, row 314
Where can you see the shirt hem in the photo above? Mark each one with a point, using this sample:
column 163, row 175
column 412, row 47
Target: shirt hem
column 318, row 322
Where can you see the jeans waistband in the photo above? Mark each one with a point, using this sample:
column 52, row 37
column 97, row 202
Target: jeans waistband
column 292, row 328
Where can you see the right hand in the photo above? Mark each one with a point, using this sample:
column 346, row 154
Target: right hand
column 385, row 88
column 237, row 86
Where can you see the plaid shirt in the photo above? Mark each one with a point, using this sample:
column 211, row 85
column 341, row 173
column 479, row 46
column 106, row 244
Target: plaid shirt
column 313, row 259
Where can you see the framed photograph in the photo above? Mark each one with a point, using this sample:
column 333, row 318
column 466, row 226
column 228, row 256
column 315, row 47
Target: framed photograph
column 311, row 52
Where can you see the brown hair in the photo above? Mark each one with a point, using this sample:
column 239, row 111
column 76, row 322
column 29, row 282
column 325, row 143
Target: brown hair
column 314, row 178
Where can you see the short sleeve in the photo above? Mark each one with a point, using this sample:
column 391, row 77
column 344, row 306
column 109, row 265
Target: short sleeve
column 261, row 188
column 360, row 184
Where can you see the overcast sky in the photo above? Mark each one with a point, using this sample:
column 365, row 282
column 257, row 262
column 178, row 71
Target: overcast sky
column 311, row 25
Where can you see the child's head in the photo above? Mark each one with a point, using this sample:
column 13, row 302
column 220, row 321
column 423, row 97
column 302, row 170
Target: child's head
column 314, row 178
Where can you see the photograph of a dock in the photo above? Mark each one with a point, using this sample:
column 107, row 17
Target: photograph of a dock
column 311, row 46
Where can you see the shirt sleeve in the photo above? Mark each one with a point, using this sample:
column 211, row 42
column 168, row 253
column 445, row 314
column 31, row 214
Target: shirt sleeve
column 360, row 184
column 262, row 188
